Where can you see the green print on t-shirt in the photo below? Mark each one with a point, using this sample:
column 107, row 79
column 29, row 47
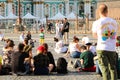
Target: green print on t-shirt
column 108, row 33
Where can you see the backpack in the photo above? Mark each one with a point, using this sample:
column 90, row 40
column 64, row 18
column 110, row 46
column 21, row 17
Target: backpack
column 61, row 66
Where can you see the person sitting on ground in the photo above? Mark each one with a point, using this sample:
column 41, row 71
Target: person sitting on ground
column 42, row 64
column 59, row 47
column 86, row 60
column 85, row 40
column 74, row 48
column 91, row 48
column 51, row 58
column 7, row 56
column 15, row 59
column 25, row 60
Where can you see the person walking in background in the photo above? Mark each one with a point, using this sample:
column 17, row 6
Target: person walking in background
column 65, row 31
column 42, row 36
column 104, row 29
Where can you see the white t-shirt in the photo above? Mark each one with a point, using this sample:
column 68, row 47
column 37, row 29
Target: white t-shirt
column 57, row 30
column 72, row 47
column 93, row 49
column 21, row 38
column 85, row 40
column 106, row 31
column 60, row 48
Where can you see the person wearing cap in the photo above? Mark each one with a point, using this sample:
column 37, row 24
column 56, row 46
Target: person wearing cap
column 42, row 64
column 85, row 40
column 91, row 48
column 42, row 36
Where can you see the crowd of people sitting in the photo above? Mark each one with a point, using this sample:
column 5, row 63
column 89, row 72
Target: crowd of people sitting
column 22, row 62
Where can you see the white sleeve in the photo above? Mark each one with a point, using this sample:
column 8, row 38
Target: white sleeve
column 94, row 27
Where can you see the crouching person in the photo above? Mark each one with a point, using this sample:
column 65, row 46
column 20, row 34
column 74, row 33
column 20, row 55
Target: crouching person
column 41, row 62
column 86, row 62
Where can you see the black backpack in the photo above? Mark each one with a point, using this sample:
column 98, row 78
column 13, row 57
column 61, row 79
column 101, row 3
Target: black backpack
column 62, row 66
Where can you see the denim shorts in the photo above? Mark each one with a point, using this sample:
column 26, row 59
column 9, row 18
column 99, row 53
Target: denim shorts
column 75, row 54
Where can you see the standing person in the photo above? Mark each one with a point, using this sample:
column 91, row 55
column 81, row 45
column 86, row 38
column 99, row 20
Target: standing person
column 50, row 25
column 104, row 29
column 42, row 36
column 61, row 26
column 22, row 37
column 57, row 25
column 28, row 36
column 65, row 31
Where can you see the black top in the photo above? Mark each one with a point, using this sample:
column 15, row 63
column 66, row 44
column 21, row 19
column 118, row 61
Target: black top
column 66, row 27
column 52, row 61
column 21, row 61
column 28, row 36
column 41, row 61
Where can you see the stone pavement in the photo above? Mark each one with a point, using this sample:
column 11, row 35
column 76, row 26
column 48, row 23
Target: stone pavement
column 72, row 75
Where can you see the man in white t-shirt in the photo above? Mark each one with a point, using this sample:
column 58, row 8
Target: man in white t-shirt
column 104, row 29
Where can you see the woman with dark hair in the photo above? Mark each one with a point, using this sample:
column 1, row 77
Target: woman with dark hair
column 49, row 54
column 74, row 48
column 59, row 46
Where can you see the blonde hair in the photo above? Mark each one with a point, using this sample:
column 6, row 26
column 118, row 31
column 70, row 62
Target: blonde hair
column 103, row 9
